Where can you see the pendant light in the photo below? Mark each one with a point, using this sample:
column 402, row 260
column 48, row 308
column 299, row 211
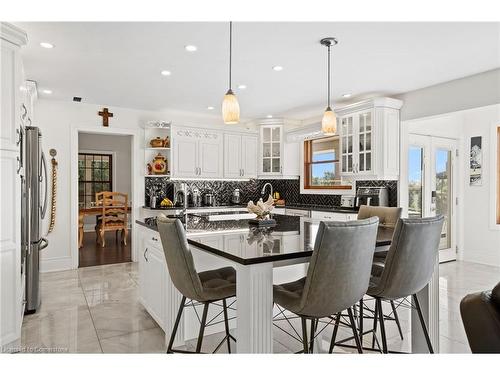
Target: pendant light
column 329, row 121
column 230, row 106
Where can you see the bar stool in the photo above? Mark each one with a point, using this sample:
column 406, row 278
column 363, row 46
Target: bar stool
column 337, row 277
column 388, row 217
column 205, row 287
column 408, row 268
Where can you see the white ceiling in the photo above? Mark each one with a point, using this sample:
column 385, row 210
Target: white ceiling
column 119, row 64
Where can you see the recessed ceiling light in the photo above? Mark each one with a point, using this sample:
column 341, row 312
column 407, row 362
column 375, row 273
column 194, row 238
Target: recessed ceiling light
column 269, row 116
column 277, row 68
column 190, row 48
column 46, row 45
column 165, row 72
column 347, row 95
column 210, row 107
column 242, row 87
column 48, row 92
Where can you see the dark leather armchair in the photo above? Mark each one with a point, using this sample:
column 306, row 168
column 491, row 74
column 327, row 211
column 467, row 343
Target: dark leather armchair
column 481, row 318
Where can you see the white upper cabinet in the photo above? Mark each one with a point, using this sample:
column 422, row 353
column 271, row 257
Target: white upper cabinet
column 240, row 156
column 211, row 156
column 277, row 159
column 369, row 133
column 197, row 153
column 249, row 150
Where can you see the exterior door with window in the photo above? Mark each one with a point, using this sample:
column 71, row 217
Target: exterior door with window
column 95, row 174
column 432, row 186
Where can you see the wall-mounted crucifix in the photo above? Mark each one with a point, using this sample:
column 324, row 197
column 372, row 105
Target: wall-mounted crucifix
column 105, row 116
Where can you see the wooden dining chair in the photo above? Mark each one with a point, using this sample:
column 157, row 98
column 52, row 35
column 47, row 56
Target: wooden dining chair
column 114, row 215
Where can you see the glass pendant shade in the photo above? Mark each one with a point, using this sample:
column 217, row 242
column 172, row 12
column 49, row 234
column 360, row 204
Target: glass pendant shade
column 329, row 122
column 230, row 108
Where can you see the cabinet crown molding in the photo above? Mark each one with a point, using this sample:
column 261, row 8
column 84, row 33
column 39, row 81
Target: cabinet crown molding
column 13, row 34
column 369, row 103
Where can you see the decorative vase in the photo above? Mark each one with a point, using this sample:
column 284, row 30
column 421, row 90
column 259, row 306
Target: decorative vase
column 160, row 164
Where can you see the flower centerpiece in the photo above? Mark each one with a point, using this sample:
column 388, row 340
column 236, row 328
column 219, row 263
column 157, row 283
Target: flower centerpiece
column 262, row 210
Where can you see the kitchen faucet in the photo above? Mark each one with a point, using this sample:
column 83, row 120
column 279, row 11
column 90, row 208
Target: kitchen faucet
column 264, row 188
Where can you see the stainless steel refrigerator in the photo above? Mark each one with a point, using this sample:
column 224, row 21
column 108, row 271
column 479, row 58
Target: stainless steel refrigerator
column 34, row 185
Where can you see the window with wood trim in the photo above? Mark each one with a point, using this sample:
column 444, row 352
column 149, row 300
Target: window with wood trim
column 498, row 174
column 95, row 174
column 322, row 164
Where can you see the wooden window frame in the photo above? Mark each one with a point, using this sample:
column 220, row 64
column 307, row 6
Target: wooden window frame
column 108, row 181
column 307, row 169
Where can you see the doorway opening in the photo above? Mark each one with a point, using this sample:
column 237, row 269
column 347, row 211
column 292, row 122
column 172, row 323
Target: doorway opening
column 104, row 165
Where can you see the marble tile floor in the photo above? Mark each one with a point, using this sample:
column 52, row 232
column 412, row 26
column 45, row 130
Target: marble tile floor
column 97, row 310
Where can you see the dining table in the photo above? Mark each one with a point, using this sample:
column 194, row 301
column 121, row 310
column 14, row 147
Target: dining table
column 254, row 262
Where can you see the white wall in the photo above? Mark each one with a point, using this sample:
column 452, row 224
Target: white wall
column 479, row 238
column 56, row 119
column 475, row 91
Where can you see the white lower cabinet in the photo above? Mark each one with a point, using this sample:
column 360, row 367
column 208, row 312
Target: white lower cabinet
column 152, row 278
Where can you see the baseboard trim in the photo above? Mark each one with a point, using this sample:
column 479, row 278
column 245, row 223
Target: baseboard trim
column 56, row 264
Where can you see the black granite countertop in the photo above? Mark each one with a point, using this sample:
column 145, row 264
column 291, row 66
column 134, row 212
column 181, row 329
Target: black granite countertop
column 293, row 206
column 256, row 244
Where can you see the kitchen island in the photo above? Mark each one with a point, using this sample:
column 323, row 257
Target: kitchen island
column 261, row 257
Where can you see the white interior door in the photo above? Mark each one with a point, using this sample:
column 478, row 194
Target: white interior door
column 432, row 186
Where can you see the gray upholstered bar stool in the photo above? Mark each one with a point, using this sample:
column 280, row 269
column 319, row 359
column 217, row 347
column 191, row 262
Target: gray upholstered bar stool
column 388, row 217
column 408, row 268
column 205, row 287
column 337, row 277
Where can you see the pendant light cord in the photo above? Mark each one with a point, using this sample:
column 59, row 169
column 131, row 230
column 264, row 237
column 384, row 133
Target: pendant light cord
column 230, row 50
column 328, row 75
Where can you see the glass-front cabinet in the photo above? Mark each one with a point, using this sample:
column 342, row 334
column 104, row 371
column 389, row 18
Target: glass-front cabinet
column 271, row 149
column 364, row 129
column 369, row 133
column 357, row 153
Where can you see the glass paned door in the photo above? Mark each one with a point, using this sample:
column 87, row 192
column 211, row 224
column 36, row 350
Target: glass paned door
column 415, row 181
column 432, row 186
column 271, row 149
column 443, row 193
column 365, row 142
column 347, row 138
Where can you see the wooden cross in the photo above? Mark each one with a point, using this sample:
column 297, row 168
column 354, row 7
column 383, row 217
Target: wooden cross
column 105, row 116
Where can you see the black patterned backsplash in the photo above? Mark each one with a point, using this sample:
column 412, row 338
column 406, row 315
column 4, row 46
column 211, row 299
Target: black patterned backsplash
column 251, row 190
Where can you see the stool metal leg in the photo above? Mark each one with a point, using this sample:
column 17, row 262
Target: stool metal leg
column 396, row 318
column 335, row 330
column 304, row 335
column 354, row 330
column 422, row 322
column 226, row 324
column 361, row 318
column 375, row 320
column 382, row 325
column 202, row 327
column 176, row 325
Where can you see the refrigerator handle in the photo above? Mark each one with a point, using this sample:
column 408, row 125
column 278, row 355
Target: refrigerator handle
column 44, row 178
